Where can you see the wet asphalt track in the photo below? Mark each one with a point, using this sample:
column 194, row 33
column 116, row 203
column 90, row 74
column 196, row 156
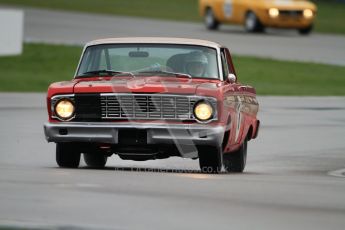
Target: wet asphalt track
column 295, row 173
column 78, row 28
column 286, row 184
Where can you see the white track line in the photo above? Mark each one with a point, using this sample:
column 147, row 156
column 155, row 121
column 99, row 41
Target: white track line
column 337, row 173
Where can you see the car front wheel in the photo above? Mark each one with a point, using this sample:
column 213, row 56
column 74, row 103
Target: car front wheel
column 67, row 156
column 252, row 23
column 211, row 22
column 210, row 159
column 95, row 160
column 236, row 161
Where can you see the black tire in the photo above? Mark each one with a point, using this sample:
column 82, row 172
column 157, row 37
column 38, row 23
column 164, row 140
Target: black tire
column 306, row 31
column 67, row 155
column 252, row 23
column 95, row 160
column 210, row 20
column 210, row 159
column 236, row 161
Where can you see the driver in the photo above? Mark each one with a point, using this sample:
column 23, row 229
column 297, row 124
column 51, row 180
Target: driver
column 196, row 64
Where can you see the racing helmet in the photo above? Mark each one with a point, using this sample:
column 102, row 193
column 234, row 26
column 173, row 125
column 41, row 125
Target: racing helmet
column 196, row 64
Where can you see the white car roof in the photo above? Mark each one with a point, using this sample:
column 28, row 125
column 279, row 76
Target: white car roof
column 154, row 40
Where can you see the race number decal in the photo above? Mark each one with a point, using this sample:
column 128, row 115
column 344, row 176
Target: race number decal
column 228, row 8
column 239, row 116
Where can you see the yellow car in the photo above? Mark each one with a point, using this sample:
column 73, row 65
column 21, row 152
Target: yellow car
column 255, row 15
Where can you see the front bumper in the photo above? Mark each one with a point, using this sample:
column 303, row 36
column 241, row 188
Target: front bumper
column 284, row 21
column 100, row 132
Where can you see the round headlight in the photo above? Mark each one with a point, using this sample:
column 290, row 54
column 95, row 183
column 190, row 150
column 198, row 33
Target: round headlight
column 273, row 12
column 308, row 13
column 64, row 109
column 203, row 111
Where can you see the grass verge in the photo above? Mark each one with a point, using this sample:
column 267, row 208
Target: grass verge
column 37, row 67
column 182, row 10
column 330, row 19
column 41, row 65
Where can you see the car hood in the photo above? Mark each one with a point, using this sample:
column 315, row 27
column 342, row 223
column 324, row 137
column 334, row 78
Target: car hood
column 290, row 4
column 148, row 85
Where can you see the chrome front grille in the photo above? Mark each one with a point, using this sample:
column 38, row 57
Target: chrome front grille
column 147, row 106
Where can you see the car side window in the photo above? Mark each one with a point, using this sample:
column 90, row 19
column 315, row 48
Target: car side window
column 225, row 67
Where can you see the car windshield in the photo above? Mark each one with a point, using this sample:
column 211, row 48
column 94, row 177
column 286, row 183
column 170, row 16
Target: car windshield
column 149, row 59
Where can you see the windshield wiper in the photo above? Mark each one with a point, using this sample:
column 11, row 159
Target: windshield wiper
column 167, row 73
column 105, row 71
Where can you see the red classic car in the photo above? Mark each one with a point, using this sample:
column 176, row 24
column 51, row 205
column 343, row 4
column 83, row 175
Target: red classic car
column 152, row 98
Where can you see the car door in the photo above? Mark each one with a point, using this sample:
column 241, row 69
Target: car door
column 232, row 10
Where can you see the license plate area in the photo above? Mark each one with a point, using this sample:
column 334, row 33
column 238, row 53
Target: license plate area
column 132, row 137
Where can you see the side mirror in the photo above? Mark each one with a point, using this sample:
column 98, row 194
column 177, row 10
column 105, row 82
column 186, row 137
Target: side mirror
column 232, row 78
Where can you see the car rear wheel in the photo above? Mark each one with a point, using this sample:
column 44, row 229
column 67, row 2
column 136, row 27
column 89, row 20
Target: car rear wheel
column 211, row 22
column 67, row 156
column 210, row 160
column 306, row 30
column 252, row 23
column 236, row 161
column 95, row 160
